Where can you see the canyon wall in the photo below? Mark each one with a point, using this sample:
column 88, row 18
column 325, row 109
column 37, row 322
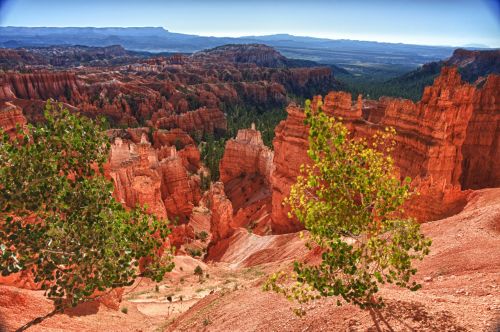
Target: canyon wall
column 39, row 85
column 481, row 148
column 447, row 142
column 205, row 120
column 451, row 135
column 187, row 92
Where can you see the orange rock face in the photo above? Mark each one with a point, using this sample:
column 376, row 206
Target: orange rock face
column 208, row 120
column 246, row 154
column 40, row 85
column 180, row 191
column 448, row 141
column 11, row 116
column 451, row 135
column 481, row 148
column 290, row 152
column 134, row 170
column 432, row 131
column 221, row 219
column 180, row 235
column 436, row 200
column 246, row 170
column 175, row 137
column 157, row 178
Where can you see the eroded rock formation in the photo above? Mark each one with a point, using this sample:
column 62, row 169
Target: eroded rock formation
column 290, row 152
column 447, row 142
column 481, row 148
column 135, row 172
column 246, row 170
column 158, row 178
column 40, row 85
column 11, row 116
column 204, row 120
column 451, row 135
column 162, row 92
column 221, row 219
column 246, row 154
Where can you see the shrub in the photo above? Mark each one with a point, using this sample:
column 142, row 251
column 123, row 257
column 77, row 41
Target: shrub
column 194, row 252
column 203, row 235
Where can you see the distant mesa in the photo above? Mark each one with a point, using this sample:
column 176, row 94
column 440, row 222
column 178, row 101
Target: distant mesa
column 258, row 54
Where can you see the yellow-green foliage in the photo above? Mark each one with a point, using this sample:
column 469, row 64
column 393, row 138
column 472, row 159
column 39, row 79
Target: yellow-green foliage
column 350, row 201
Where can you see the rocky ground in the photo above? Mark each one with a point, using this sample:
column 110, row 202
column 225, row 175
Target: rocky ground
column 461, row 289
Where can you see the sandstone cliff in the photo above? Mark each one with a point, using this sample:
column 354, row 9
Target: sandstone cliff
column 221, row 219
column 481, row 148
column 451, row 134
column 290, row 152
column 134, row 170
column 205, row 120
column 40, row 85
column 447, row 142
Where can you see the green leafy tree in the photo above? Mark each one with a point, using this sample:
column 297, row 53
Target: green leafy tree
column 350, row 201
column 58, row 219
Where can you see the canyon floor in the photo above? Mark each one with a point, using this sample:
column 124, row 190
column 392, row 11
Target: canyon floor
column 460, row 278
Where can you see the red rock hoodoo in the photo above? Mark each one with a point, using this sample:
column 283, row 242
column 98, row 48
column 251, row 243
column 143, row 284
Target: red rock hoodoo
column 221, row 219
column 246, row 169
column 158, row 178
column 447, row 142
column 290, row 152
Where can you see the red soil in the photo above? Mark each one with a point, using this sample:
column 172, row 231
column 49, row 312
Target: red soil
column 461, row 289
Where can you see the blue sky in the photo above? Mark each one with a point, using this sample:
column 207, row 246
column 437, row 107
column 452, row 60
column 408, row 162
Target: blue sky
column 431, row 22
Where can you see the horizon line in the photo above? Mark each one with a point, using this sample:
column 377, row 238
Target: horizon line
column 212, row 35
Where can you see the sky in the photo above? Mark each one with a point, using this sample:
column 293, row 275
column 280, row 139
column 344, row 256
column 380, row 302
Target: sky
column 427, row 22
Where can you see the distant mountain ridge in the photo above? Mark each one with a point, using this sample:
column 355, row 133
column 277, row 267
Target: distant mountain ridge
column 471, row 65
column 356, row 56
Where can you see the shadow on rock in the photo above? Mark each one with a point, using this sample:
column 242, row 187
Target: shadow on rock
column 398, row 315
